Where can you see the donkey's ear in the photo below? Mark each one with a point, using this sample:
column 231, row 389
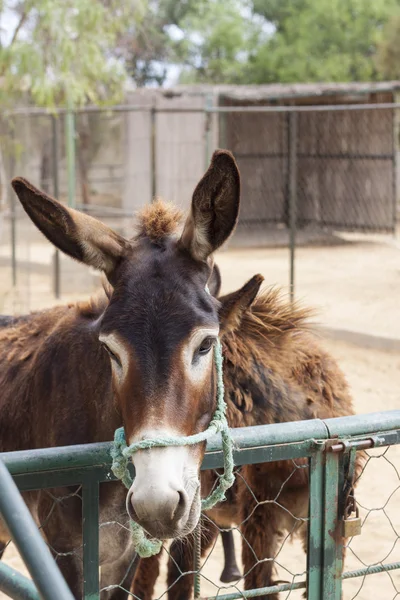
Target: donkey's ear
column 214, row 281
column 234, row 305
column 80, row 236
column 215, row 207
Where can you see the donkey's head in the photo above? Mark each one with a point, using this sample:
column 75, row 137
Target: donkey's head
column 159, row 329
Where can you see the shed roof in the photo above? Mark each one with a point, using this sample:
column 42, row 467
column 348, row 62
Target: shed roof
column 281, row 91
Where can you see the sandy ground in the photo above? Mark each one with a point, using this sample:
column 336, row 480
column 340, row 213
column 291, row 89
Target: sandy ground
column 353, row 286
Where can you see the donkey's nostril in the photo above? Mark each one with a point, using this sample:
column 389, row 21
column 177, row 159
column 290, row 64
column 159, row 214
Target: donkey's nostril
column 181, row 506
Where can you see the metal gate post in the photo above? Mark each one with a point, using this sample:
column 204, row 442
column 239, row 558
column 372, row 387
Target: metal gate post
column 324, row 557
column 16, row 585
column 90, row 526
column 292, row 168
column 332, row 534
column 56, row 194
column 31, row 546
column 316, row 522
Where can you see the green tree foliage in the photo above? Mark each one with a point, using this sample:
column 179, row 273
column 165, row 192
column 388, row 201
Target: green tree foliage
column 60, row 50
column 218, row 40
column 287, row 40
column 147, row 47
column 321, row 40
column 388, row 55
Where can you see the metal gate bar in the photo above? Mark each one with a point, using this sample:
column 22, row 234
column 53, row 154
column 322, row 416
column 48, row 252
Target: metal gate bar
column 89, row 465
column 31, row 546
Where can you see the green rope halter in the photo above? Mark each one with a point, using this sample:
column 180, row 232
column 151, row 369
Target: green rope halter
column 121, row 453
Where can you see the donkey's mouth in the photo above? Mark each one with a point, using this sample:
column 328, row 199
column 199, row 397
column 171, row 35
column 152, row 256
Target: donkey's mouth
column 158, row 528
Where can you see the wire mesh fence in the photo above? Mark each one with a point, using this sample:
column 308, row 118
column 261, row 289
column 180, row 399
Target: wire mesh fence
column 308, row 172
column 279, row 534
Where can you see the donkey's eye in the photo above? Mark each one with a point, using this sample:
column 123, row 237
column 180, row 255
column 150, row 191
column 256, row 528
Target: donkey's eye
column 206, row 345
column 111, row 354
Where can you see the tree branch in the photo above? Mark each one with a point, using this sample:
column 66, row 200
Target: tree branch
column 22, row 20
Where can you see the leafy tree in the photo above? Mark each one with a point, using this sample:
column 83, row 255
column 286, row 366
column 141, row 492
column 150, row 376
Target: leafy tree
column 388, row 55
column 320, row 40
column 217, row 42
column 59, row 50
column 147, row 47
column 263, row 41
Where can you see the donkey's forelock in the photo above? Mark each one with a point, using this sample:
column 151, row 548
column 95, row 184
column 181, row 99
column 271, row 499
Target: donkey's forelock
column 158, row 220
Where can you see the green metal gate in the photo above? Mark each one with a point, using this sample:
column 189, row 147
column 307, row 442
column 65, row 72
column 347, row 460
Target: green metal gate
column 329, row 445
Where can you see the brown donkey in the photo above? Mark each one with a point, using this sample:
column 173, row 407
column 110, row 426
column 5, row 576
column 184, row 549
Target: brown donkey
column 274, row 371
column 142, row 357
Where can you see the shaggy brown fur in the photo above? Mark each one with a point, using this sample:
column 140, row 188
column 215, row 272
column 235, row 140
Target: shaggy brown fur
column 275, row 370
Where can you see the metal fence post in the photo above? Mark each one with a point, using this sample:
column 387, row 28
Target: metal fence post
column 325, row 548
column 332, row 539
column 153, row 150
column 15, row 585
column 90, row 520
column 395, row 161
column 292, row 175
column 32, row 547
column 56, row 194
column 70, row 151
column 208, row 130
column 315, row 538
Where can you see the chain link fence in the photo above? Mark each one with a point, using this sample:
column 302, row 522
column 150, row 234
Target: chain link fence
column 309, row 173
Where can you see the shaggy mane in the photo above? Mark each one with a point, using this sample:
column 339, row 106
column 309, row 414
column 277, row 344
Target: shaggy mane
column 158, row 220
column 272, row 316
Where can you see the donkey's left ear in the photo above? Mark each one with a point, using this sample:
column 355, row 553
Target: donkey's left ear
column 215, row 207
column 80, row 236
column 234, row 305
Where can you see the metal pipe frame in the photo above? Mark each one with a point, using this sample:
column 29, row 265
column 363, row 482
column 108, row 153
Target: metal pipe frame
column 89, row 465
column 31, row 546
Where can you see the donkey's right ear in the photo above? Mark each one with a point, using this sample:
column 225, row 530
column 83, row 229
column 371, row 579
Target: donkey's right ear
column 234, row 305
column 80, row 236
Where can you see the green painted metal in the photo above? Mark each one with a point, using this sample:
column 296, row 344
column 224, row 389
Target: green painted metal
column 90, row 518
column 16, row 585
column 89, row 465
column 31, row 546
column 265, row 591
column 316, row 522
column 332, row 546
column 67, row 457
column 371, row 570
column 363, row 424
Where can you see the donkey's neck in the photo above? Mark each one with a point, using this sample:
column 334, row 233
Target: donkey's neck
column 56, row 382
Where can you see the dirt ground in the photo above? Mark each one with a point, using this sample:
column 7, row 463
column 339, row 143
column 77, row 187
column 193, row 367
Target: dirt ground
column 354, row 287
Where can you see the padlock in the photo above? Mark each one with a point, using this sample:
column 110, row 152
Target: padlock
column 352, row 525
